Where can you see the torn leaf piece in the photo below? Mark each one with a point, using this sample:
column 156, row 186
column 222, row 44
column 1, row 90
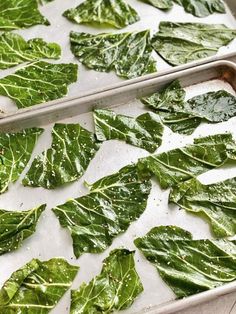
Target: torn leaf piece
column 15, row 153
column 15, row 14
column 116, row 13
column 15, row 50
column 113, row 203
column 215, row 202
column 116, row 288
column 182, row 164
column 180, row 43
column 38, row 82
column 160, row 4
column 188, row 266
column 16, row 226
column 37, row 287
column 145, row 131
column 128, row 54
column 71, row 151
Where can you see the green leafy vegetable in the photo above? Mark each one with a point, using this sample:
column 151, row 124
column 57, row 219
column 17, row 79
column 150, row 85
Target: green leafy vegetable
column 145, row 131
column 38, row 82
column 15, row 50
column 37, row 286
column 15, row 14
column 215, row 202
column 113, row 203
column 180, row 43
column 17, row 226
column 169, row 103
column 128, row 54
column 199, row 8
column 189, row 266
column 72, row 149
column 182, row 164
column 116, row 13
column 15, row 152
column 114, row 289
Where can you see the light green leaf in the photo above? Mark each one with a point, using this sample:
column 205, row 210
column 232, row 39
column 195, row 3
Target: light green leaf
column 180, row 43
column 15, row 153
column 17, row 226
column 115, row 288
column 15, row 14
column 128, row 54
column 182, row 164
column 145, row 131
column 116, row 13
column 72, row 149
column 189, row 266
column 38, row 82
column 160, row 4
column 37, row 287
column 215, row 202
column 202, row 8
column 15, row 50
column 113, row 203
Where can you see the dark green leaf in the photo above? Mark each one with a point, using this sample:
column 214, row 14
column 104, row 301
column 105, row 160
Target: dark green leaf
column 145, row 131
column 215, row 202
column 72, row 149
column 202, row 8
column 38, row 82
column 115, row 288
column 182, row 164
column 189, row 266
column 15, row 152
column 15, row 14
column 116, row 13
column 15, row 50
column 160, row 4
column 128, row 54
column 113, row 203
column 37, row 287
column 17, row 226
column 180, row 43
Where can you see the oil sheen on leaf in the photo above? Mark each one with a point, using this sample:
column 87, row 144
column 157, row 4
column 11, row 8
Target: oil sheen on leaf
column 116, row 13
column 115, row 288
column 182, row 164
column 15, row 14
column 16, row 226
column 37, row 287
column 38, row 82
column 128, row 54
column 215, row 202
column 15, row 153
column 189, row 266
column 71, row 151
column 113, row 203
column 15, row 50
column 145, row 131
column 180, row 43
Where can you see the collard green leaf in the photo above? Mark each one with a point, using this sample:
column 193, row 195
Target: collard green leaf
column 16, row 226
column 160, row 4
column 215, row 202
column 145, row 131
column 189, row 266
column 38, row 82
column 37, row 287
column 15, row 152
column 182, row 164
column 180, row 43
column 72, row 149
column 113, row 203
column 116, row 13
column 15, row 14
column 128, row 54
column 202, row 8
column 115, row 288
column 15, row 50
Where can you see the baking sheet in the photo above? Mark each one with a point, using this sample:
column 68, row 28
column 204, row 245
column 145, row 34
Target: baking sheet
column 50, row 240
column 89, row 80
